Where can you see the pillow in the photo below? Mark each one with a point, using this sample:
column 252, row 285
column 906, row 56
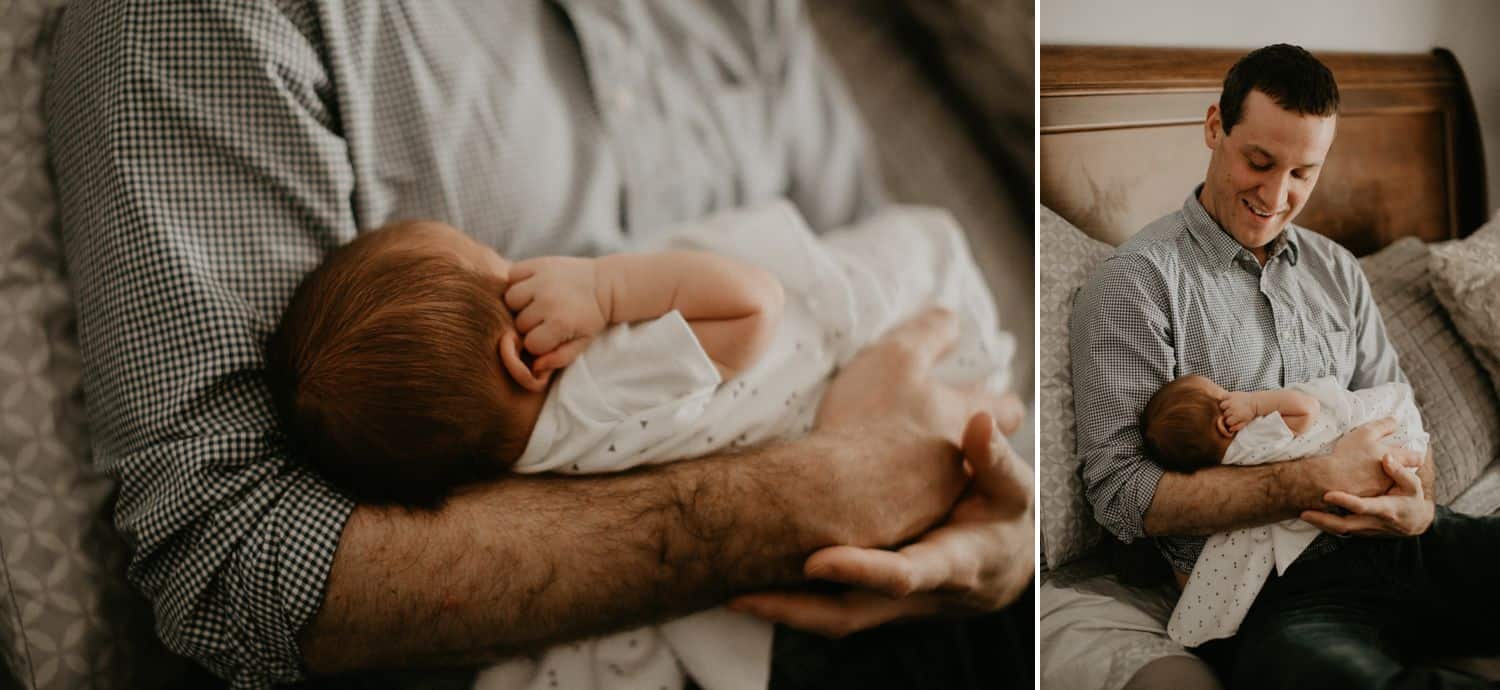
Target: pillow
column 1466, row 278
column 1068, row 527
column 984, row 51
column 67, row 617
column 1458, row 404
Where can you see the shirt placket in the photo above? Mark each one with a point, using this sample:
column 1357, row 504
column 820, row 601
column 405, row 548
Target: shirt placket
column 1289, row 336
column 617, row 73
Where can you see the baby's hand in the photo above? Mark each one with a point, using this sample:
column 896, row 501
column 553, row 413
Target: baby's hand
column 558, row 310
column 1238, row 410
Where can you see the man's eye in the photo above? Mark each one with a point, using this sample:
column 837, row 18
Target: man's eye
column 1299, row 174
column 1259, row 167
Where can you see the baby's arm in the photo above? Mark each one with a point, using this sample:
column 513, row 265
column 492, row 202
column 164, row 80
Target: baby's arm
column 732, row 307
column 1297, row 408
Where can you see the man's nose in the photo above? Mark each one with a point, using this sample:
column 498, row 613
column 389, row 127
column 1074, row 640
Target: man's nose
column 1274, row 192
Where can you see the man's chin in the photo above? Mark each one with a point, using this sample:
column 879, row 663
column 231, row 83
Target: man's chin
column 1258, row 238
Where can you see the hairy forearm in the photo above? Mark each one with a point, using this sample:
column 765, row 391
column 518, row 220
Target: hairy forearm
column 532, row 561
column 1223, row 498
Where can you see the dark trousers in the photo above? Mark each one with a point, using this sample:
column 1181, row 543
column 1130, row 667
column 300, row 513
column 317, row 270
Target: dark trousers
column 1371, row 613
column 993, row 652
column 990, row 652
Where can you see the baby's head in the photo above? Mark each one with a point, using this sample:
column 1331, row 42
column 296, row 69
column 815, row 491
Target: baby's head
column 389, row 367
column 1183, row 425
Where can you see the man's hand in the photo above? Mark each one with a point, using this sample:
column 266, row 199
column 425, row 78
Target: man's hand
column 558, row 308
column 1404, row 511
column 901, row 474
column 977, row 561
column 1355, row 465
column 891, row 379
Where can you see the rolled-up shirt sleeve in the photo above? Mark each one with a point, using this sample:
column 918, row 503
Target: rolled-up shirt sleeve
column 200, row 174
column 1122, row 352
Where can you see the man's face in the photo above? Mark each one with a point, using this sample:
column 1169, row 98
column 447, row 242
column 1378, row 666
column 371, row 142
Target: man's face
column 1261, row 174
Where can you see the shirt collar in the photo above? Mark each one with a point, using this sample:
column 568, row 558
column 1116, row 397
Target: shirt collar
column 1222, row 249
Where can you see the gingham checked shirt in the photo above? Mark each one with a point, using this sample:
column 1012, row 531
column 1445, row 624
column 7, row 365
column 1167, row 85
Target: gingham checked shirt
column 208, row 154
column 1183, row 297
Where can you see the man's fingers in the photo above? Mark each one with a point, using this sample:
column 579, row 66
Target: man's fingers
column 1404, row 476
column 998, row 471
column 926, row 337
column 1350, row 502
column 920, row 567
column 888, row 572
column 1343, row 525
column 1405, row 457
column 831, row 615
column 1383, row 427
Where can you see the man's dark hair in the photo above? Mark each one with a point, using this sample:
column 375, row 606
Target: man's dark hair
column 1291, row 76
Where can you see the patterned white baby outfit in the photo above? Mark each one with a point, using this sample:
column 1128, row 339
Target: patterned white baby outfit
column 647, row 393
column 1235, row 565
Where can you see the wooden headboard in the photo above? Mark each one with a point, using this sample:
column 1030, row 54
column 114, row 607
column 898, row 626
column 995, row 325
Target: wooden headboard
column 1122, row 142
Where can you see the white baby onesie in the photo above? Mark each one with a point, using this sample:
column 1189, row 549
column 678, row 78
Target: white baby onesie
column 647, row 393
column 1233, row 566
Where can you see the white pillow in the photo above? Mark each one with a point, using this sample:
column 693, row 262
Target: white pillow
column 1068, row 255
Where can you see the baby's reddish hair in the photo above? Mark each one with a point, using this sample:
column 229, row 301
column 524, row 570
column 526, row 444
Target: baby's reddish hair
column 385, row 374
column 1179, row 426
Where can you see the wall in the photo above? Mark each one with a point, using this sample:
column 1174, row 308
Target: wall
column 1466, row 27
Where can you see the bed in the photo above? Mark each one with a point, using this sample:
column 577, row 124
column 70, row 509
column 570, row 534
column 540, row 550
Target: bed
column 1403, row 188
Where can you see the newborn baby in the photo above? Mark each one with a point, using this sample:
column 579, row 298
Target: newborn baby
column 415, row 360
column 1193, row 423
column 1189, row 423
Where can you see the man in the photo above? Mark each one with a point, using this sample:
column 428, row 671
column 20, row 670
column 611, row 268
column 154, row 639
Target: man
column 208, row 154
column 1227, row 287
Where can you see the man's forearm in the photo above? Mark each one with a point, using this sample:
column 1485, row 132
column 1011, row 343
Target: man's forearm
column 531, row 561
column 1223, row 498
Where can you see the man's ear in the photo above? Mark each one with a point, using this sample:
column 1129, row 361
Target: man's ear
column 509, row 351
column 1213, row 127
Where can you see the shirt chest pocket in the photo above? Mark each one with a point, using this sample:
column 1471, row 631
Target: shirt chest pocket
column 1335, row 355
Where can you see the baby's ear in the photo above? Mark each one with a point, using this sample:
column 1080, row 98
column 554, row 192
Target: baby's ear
column 509, row 352
column 1222, row 426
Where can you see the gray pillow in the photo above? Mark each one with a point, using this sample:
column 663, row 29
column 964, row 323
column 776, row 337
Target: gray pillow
column 1458, row 403
column 1068, row 255
column 1466, row 278
column 927, row 156
column 67, row 617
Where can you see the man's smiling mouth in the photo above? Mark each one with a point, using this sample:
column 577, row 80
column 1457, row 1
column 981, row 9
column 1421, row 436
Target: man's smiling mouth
column 1256, row 211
